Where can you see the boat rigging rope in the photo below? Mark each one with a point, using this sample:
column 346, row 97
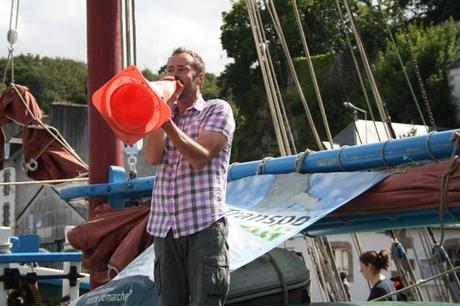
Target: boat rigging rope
column 404, row 70
column 419, row 264
column 315, row 259
column 416, row 68
column 312, row 74
column 128, row 37
column 78, row 179
column 331, row 284
column 428, row 239
column 12, row 37
column 55, row 134
column 275, row 90
column 358, row 70
column 404, row 267
column 370, row 76
column 451, row 168
column 337, row 291
column 279, row 31
column 443, row 261
column 417, row 284
column 261, row 48
column 268, row 79
column 128, row 43
column 359, row 248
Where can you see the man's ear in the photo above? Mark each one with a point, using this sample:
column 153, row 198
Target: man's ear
column 200, row 78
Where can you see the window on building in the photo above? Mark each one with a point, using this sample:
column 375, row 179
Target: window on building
column 12, row 146
column 6, row 214
column 6, row 178
column 343, row 257
column 452, row 247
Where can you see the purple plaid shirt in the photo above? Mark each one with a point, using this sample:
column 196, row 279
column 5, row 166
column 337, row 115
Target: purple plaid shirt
column 187, row 200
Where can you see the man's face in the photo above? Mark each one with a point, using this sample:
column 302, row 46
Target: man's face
column 181, row 67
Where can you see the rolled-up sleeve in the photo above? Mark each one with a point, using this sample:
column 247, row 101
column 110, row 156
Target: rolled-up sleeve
column 219, row 118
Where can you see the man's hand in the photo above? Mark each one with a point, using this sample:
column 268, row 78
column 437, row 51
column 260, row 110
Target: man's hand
column 179, row 87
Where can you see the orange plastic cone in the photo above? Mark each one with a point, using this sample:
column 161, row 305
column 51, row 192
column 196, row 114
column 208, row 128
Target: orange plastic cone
column 131, row 106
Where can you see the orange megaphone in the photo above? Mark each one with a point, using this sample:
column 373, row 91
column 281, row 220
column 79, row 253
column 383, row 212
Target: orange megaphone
column 132, row 106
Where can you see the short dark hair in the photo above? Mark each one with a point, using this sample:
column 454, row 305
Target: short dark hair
column 198, row 63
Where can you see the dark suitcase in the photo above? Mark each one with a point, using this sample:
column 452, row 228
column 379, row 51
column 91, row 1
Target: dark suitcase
column 276, row 278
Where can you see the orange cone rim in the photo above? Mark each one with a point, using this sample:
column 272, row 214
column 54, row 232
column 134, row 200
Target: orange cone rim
column 130, row 106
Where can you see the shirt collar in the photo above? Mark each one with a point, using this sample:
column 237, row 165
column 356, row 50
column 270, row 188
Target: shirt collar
column 198, row 105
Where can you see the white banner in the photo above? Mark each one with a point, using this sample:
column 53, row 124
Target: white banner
column 263, row 211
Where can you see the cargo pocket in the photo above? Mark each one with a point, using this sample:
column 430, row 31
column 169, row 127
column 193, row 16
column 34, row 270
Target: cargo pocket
column 216, row 276
column 156, row 276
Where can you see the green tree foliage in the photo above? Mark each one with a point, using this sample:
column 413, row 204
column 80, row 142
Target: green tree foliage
column 241, row 82
column 435, row 48
column 210, row 88
column 334, row 85
column 150, row 75
column 432, row 11
column 50, row 79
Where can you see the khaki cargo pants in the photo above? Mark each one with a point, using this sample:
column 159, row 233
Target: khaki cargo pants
column 193, row 270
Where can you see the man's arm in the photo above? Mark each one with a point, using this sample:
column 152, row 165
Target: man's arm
column 197, row 153
column 154, row 144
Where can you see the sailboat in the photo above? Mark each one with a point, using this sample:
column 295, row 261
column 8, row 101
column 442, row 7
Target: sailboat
column 267, row 173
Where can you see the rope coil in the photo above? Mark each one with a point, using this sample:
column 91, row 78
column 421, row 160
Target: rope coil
column 428, row 147
column 300, row 158
column 261, row 166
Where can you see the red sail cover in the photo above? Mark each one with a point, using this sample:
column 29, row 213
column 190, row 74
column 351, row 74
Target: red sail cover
column 408, row 189
column 2, row 147
column 43, row 146
column 111, row 239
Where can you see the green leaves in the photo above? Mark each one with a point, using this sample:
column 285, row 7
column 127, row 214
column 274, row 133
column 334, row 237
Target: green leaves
column 435, row 48
column 241, row 82
column 50, row 79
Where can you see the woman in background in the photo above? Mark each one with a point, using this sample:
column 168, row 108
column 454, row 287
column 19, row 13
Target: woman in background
column 372, row 266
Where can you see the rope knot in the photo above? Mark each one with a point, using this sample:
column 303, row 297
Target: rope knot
column 300, row 158
column 261, row 167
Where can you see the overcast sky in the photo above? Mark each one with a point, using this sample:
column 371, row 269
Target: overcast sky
column 57, row 28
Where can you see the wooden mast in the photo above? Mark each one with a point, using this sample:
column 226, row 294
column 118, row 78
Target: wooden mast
column 104, row 61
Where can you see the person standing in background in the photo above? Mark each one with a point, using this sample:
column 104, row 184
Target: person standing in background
column 345, row 283
column 372, row 266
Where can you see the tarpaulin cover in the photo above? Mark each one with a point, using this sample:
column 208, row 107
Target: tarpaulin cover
column 408, row 189
column 111, row 239
column 263, row 211
column 45, row 151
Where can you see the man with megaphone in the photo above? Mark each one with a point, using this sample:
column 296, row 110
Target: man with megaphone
column 187, row 216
